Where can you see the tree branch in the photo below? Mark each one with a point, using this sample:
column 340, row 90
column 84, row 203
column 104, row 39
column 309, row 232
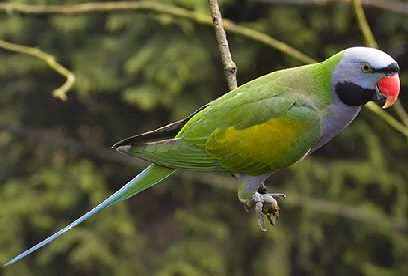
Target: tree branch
column 388, row 118
column 401, row 112
column 199, row 18
column 386, row 5
column 229, row 65
column 363, row 24
column 338, row 209
column 248, row 33
column 50, row 60
column 370, row 41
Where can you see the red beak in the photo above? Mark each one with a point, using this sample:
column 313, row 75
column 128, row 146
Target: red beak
column 389, row 87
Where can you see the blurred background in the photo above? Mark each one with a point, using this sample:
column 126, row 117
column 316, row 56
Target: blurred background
column 346, row 211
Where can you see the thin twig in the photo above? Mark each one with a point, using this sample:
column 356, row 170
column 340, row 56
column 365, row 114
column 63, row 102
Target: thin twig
column 60, row 92
column 387, row 118
column 229, row 65
column 248, row 33
column 386, row 5
column 219, row 181
column 370, row 41
column 363, row 24
column 304, row 202
column 71, row 10
column 401, row 112
column 268, row 41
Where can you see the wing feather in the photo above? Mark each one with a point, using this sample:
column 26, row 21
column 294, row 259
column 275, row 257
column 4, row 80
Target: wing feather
column 260, row 127
column 165, row 132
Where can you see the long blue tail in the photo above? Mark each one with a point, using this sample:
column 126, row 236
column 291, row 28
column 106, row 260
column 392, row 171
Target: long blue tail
column 147, row 178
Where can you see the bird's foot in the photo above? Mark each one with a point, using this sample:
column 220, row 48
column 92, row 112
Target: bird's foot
column 265, row 204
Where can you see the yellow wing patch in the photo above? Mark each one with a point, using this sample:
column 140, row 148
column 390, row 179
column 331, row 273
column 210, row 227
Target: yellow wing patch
column 278, row 142
column 265, row 141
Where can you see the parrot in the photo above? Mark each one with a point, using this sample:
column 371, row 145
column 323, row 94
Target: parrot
column 263, row 126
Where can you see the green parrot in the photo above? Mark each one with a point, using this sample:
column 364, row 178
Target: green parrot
column 260, row 127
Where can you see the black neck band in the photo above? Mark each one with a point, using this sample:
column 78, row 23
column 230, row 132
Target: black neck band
column 352, row 94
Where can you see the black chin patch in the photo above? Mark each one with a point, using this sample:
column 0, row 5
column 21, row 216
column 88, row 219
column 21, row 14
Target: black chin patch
column 352, row 94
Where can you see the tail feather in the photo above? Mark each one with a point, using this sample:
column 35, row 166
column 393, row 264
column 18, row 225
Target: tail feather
column 147, row 178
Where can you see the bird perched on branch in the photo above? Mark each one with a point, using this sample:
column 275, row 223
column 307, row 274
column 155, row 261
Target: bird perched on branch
column 260, row 127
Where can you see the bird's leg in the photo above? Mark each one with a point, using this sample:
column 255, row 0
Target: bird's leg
column 265, row 204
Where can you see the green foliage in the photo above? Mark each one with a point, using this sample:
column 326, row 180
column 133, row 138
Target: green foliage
column 140, row 70
column 34, row 205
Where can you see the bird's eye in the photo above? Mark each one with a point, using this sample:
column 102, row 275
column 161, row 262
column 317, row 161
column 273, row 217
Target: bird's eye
column 365, row 68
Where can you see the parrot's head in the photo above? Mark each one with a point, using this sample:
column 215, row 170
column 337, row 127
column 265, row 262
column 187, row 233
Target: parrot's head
column 366, row 74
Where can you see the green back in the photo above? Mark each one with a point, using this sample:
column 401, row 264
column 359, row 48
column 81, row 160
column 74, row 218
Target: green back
column 309, row 85
column 262, row 126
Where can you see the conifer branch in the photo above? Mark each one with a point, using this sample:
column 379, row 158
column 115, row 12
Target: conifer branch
column 229, row 65
column 61, row 91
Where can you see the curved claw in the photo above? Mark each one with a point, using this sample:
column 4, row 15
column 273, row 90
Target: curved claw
column 265, row 204
column 273, row 216
column 278, row 196
column 248, row 204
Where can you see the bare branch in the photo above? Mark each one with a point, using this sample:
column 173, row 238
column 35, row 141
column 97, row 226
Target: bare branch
column 370, row 41
column 401, row 112
column 248, row 33
column 50, row 60
column 199, row 18
column 388, row 118
column 268, row 41
column 229, row 65
column 219, row 181
column 387, row 5
column 363, row 24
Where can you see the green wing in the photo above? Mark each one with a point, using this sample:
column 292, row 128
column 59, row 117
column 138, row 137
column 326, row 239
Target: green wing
column 260, row 127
